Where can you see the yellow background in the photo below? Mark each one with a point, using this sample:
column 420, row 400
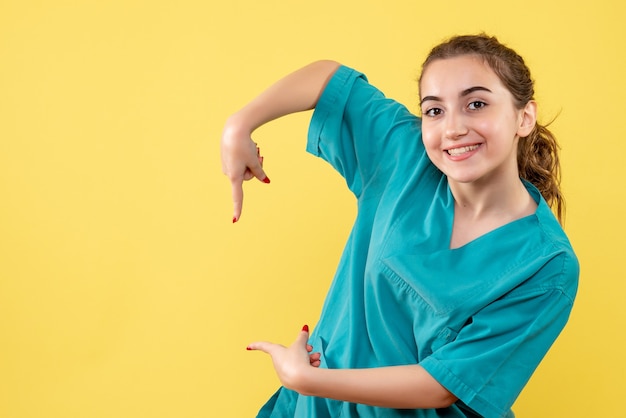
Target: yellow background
column 125, row 290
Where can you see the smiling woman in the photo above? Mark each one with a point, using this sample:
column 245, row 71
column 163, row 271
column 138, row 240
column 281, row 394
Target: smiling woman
column 457, row 277
column 505, row 70
column 471, row 129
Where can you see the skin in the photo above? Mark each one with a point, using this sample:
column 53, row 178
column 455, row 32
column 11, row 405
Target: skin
column 409, row 387
column 464, row 104
column 484, row 182
column 296, row 366
column 241, row 159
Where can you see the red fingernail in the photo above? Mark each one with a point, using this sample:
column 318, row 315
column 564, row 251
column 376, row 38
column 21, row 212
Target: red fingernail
column 266, row 180
column 248, row 348
column 234, row 219
column 305, row 328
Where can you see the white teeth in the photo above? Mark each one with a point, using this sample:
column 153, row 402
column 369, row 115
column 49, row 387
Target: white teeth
column 462, row 150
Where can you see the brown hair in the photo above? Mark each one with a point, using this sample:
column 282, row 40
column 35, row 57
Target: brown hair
column 537, row 153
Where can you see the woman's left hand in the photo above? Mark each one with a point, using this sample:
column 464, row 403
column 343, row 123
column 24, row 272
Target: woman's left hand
column 292, row 363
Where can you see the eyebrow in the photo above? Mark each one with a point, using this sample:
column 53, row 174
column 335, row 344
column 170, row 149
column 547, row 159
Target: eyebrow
column 463, row 94
column 473, row 89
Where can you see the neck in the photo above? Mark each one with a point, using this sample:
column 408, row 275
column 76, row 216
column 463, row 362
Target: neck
column 505, row 197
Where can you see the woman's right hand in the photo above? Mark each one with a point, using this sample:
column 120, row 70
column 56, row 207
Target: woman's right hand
column 298, row 91
column 241, row 161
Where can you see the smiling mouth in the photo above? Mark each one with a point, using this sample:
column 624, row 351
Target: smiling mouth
column 462, row 150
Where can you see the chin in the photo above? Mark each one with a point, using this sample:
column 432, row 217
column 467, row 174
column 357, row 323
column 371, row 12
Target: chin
column 462, row 178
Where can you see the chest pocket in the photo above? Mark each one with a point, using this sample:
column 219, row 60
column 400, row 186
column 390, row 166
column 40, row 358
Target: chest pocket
column 432, row 284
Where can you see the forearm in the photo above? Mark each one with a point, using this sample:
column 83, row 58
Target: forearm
column 409, row 387
column 296, row 92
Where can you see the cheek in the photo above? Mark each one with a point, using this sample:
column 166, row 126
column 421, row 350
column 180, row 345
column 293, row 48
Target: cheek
column 432, row 144
column 501, row 127
column 430, row 135
column 486, row 128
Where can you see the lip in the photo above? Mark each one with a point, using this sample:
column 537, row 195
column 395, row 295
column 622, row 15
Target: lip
column 464, row 155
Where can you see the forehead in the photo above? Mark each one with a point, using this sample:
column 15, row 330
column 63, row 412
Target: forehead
column 457, row 74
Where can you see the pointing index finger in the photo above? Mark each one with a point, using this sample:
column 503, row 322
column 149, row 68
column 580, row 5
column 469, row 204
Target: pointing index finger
column 237, row 193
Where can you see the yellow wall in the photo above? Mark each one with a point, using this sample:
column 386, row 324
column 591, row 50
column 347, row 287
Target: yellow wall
column 125, row 291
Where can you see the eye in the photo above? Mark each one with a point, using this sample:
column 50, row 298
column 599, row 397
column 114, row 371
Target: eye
column 433, row 112
column 476, row 105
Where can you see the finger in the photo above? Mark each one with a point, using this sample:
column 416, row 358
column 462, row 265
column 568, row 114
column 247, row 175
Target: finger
column 237, row 193
column 256, row 168
column 262, row 176
column 303, row 337
column 263, row 346
column 315, row 357
column 259, row 156
column 309, row 348
column 248, row 175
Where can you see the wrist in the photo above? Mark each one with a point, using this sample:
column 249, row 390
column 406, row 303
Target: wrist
column 236, row 126
column 306, row 381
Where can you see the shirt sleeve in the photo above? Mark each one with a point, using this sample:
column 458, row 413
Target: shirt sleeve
column 488, row 362
column 353, row 126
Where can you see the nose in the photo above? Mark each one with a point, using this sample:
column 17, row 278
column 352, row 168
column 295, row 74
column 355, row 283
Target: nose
column 455, row 126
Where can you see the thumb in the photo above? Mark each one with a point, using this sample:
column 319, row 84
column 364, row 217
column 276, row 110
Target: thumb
column 259, row 173
column 303, row 337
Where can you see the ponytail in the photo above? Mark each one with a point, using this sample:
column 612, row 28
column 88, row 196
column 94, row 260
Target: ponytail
column 538, row 162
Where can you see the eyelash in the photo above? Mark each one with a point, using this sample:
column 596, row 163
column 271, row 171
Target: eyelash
column 473, row 106
column 430, row 111
column 479, row 102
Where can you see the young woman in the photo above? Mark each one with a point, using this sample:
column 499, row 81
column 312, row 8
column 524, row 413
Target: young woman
column 457, row 277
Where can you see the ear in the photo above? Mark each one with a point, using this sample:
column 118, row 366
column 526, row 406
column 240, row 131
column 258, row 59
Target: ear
column 527, row 119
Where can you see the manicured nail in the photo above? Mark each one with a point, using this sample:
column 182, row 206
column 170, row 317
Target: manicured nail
column 248, row 348
column 305, row 328
column 266, row 180
column 234, row 219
